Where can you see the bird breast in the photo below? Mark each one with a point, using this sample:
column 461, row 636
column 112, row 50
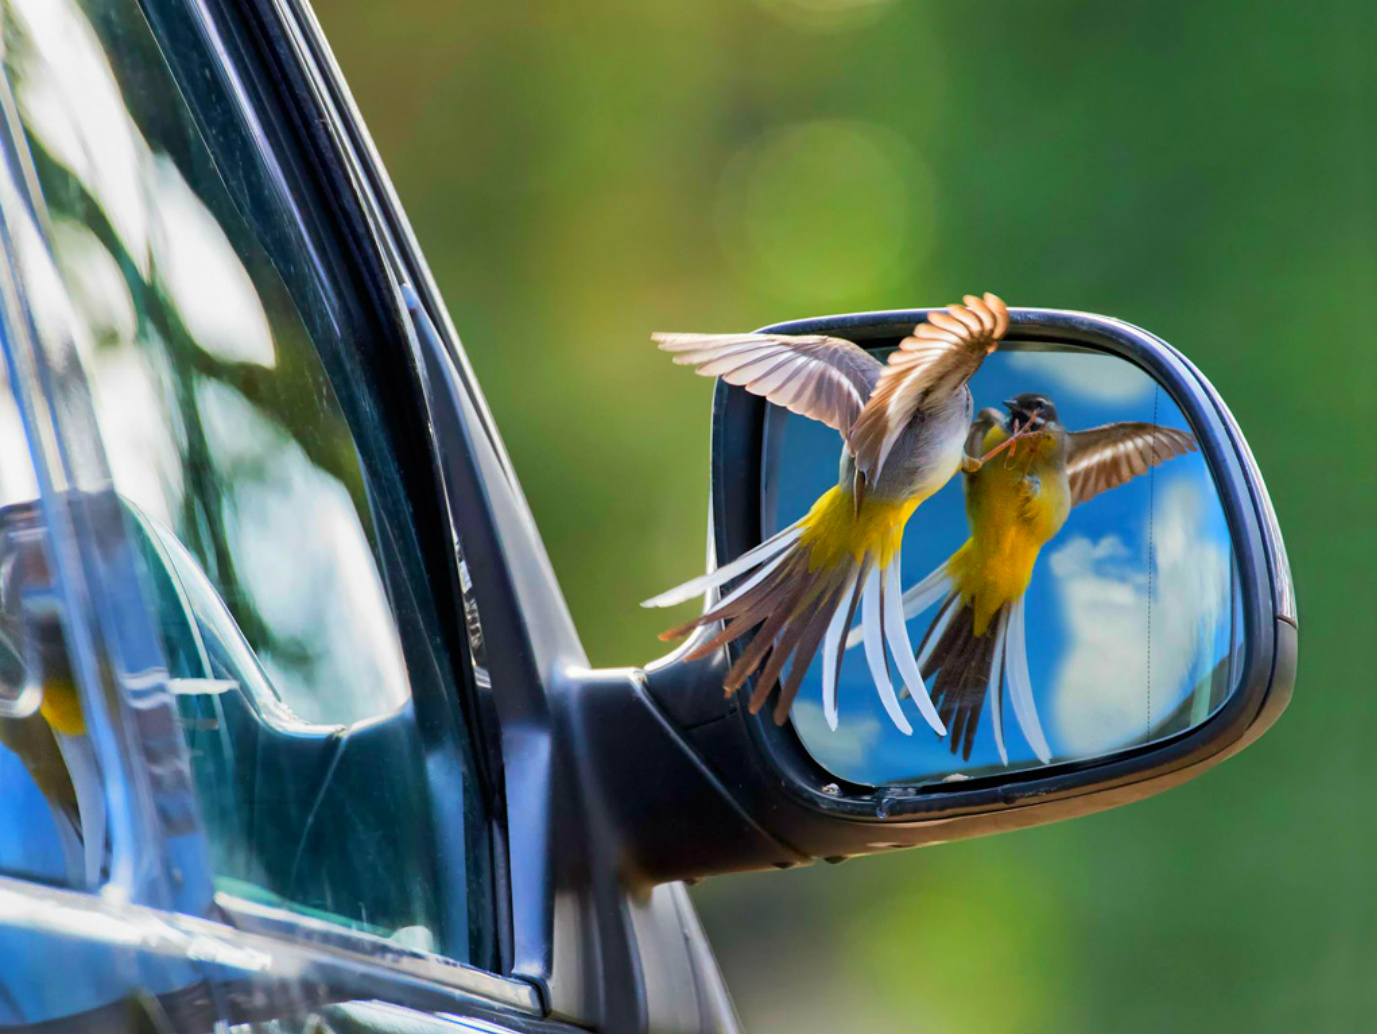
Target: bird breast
column 928, row 451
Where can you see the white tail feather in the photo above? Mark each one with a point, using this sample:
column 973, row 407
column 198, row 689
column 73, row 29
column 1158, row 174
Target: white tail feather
column 1021, row 685
column 939, row 629
column 927, row 592
column 696, row 587
column 831, row 649
column 916, row 600
column 902, row 648
column 765, row 570
column 996, row 701
column 875, row 651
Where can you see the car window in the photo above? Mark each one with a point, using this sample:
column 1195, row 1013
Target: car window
column 223, row 354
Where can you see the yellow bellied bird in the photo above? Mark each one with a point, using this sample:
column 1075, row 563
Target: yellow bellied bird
column 904, row 424
column 978, row 641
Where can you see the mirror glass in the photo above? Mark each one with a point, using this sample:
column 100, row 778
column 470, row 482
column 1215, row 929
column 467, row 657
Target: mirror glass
column 1128, row 630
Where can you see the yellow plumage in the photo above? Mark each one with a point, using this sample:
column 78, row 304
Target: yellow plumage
column 835, row 530
column 62, row 709
column 1016, row 503
column 1017, row 500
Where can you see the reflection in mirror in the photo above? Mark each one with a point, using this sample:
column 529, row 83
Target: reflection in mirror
column 1073, row 597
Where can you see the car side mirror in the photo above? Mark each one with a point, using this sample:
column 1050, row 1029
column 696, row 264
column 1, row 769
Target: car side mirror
column 1102, row 610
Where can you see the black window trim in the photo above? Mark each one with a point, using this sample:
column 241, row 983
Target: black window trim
column 521, row 862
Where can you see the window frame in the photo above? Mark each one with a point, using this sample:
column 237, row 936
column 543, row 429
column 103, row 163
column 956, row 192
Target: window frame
column 268, row 79
column 567, row 902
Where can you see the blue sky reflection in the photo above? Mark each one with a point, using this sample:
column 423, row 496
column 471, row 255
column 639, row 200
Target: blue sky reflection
column 1152, row 554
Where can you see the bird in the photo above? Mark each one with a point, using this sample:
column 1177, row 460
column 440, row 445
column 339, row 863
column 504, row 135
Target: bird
column 978, row 640
column 904, row 424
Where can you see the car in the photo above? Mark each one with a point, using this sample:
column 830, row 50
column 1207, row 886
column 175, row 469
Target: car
column 296, row 732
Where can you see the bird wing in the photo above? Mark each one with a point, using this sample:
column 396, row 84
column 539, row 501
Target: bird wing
column 825, row 378
column 940, row 355
column 1106, row 457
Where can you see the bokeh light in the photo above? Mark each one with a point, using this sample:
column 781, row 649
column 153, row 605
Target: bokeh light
column 826, row 15
column 825, row 209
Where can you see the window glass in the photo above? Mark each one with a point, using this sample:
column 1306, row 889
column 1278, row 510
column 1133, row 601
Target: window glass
column 243, row 435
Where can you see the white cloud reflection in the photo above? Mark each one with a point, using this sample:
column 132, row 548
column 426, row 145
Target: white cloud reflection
column 78, row 115
column 70, row 101
column 200, row 272
column 143, row 440
column 1101, row 378
column 850, row 745
column 95, row 282
column 305, row 564
column 1102, row 690
column 128, row 385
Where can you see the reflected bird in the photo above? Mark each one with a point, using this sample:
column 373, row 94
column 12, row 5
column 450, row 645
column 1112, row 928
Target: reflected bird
column 1015, row 505
column 904, row 424
column 52, row 742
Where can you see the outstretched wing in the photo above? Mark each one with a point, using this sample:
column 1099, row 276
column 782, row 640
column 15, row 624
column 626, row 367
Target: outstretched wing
column 1106, row 457
column 939, row 356
column 825, row 378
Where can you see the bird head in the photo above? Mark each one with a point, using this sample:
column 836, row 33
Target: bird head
column 1031, row 411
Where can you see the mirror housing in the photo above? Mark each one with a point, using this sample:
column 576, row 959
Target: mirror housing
column 693, row 784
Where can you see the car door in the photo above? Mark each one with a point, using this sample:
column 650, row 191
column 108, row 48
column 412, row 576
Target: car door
column 297, row 731
column 229, row 381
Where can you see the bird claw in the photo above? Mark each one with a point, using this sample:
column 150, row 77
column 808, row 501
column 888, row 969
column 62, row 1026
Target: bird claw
column 1019, row 432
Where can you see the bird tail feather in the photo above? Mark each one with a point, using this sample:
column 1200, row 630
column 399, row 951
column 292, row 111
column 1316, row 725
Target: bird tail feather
column 965, row 670
column 960, row 668
column 771, row 548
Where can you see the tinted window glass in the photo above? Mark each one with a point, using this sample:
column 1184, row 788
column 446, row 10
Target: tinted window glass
column 243, row 433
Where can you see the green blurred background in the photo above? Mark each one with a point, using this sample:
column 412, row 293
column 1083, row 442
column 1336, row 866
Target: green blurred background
column 582, row 173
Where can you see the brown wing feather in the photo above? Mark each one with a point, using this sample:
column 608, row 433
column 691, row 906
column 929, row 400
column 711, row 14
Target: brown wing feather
column 940, row 355
column 825, row 378
column 1106, row 457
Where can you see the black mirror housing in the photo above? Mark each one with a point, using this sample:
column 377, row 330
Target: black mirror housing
column 693, row 784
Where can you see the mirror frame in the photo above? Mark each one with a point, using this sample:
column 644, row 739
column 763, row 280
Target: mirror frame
column 740, row 483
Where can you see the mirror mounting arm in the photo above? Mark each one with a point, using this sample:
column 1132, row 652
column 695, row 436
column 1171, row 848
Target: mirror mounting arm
column 656, row 806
